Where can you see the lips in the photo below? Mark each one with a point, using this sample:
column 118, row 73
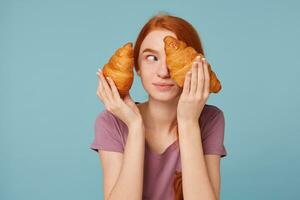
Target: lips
column 163, row 84
column 163, row 87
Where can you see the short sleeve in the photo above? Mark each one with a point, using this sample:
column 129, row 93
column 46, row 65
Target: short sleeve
column 213, row 143
column 106, row 136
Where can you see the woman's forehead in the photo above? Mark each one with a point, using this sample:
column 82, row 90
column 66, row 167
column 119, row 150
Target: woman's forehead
column 154, row 40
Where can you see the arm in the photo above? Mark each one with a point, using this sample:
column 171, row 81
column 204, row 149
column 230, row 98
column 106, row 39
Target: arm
column 196, row 182
column 213, row 167
column 129, row 183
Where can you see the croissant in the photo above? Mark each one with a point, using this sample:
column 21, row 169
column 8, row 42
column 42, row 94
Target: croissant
column 180, row 57
column 120, row 69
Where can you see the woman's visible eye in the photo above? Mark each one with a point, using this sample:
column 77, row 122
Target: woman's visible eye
column 153, row 57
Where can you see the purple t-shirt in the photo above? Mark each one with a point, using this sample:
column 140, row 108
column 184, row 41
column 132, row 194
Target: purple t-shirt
column 159, row 169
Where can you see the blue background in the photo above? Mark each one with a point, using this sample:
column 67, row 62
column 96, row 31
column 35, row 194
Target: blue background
column 49, row 54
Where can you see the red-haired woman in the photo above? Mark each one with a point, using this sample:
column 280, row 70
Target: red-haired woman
column 169, row 146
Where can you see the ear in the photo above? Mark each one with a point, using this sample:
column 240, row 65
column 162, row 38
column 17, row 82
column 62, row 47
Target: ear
column 139, row 72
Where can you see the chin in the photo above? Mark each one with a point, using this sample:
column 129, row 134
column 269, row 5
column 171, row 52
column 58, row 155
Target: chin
column 166, row 96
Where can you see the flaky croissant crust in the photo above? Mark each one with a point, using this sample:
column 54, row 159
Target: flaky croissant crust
column 180, row 57
column 120, row 68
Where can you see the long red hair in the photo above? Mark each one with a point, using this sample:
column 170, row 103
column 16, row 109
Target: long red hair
column 182, row 29
column 184, row 32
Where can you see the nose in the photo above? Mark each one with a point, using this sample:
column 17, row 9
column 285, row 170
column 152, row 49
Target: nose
column 163, row 71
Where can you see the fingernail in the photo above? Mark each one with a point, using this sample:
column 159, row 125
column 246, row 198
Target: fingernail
column 198, row 57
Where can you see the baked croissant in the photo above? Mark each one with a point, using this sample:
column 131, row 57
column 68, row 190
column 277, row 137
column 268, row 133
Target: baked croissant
column 180, row 58
column 120, row 69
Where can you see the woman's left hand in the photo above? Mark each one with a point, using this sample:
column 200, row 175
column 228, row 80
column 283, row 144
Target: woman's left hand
column 196, row 90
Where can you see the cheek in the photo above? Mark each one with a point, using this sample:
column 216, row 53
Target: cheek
column 149, row 68
column 147, row 75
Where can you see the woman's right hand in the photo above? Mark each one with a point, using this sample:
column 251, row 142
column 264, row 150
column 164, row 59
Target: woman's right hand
column 125, row 109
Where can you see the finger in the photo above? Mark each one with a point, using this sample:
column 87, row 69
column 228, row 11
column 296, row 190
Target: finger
column 98, row 88
column 106, row 86
column 101, row 92
column 115, row 92
column 186, row 84
column 206, row 79
column 193, row 86
column 200, row 79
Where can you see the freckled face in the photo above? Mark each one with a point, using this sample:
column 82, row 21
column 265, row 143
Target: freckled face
column 153, row 67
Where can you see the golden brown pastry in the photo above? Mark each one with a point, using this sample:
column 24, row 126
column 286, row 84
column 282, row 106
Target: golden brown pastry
column 120, row 68
column 180, row 58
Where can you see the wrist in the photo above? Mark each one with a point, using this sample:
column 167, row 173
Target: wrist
column 188, row 129
column 137, row 124
column 187, row 122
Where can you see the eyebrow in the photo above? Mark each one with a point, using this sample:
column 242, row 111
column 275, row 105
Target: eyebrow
column 150, row 50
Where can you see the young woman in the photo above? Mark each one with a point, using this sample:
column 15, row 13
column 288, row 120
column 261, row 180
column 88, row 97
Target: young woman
column 169, row 146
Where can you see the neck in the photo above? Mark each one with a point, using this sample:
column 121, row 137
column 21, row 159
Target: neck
column 160, row 117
